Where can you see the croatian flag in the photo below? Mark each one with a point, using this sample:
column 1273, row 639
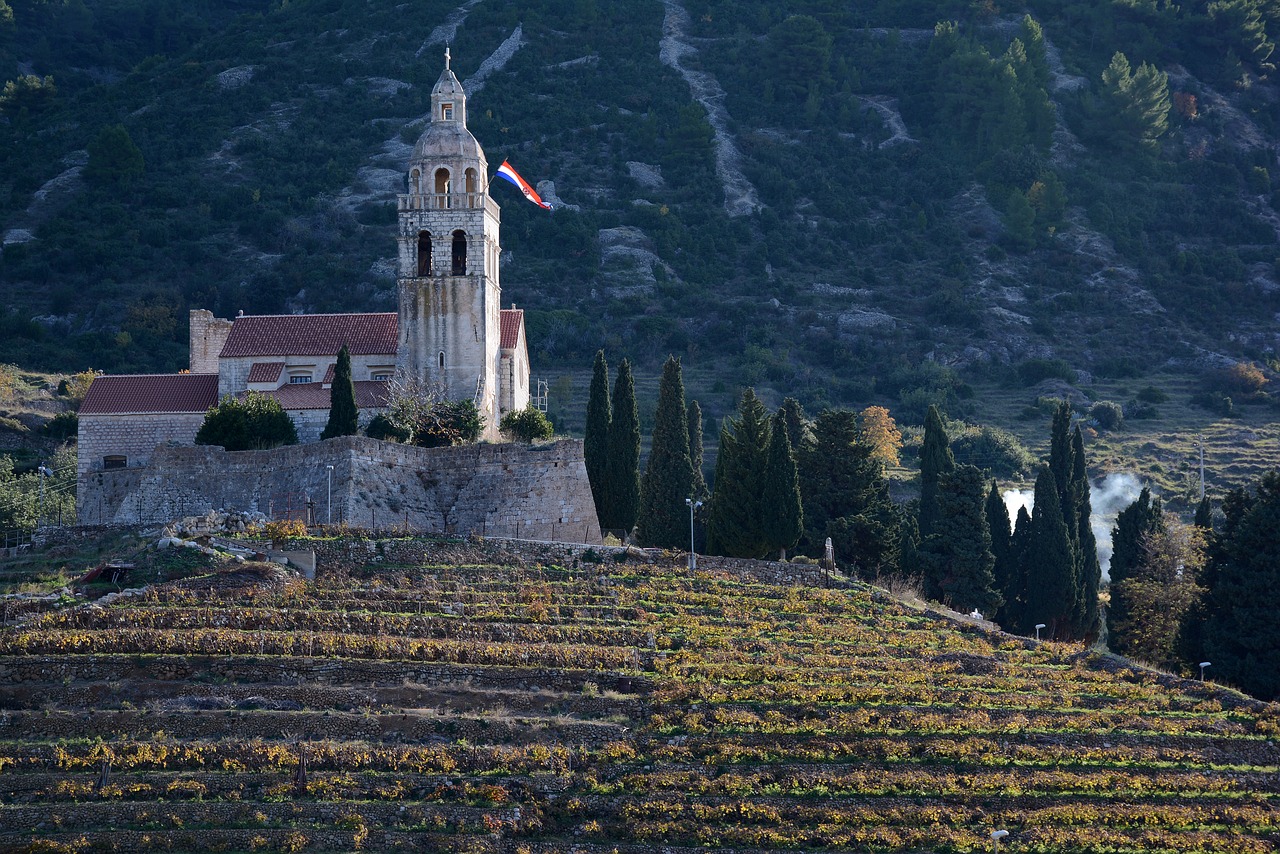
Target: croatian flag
column 513, row 176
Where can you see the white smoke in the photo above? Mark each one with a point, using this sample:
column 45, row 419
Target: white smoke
column 1107, row 497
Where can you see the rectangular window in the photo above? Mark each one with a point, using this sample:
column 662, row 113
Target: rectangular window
column 299, row 378
column 381, row 377
column 446, row 112
column 115, row 461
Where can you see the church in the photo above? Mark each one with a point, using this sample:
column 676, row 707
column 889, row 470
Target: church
column 450, row 332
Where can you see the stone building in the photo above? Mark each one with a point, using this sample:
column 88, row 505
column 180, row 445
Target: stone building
column 450, row 332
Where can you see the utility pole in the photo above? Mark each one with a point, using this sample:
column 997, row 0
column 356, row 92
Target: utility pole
column 1202, row 468
column 43, row 472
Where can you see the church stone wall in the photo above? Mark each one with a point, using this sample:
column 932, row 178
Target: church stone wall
column 132, row 436
column 208, row 334
column 535, row 492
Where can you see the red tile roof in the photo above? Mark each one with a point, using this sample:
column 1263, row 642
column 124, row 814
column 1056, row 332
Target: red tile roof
column 369, row 393
column 138, row 393
column 312, row 335
column 328, row 375
column 511, row 322
column 265, row 372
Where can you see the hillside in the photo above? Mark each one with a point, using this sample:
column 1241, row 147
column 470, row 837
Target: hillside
column 839, row 205
column 471, row 697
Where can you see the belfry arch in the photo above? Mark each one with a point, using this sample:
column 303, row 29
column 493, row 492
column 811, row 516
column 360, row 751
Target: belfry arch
column 459, row 253
column 424, row 253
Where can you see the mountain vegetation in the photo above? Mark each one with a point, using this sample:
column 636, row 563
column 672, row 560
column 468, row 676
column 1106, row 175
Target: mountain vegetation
column 900, row 204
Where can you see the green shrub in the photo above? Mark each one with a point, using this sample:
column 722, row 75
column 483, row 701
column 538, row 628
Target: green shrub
column 253, row 422
column 997, row 451
column 1151, row 394
column 1214, row 401
column 526, row 425
column 382, row 427
column 62, row 426
column 1107, row 414
column 1033, row 371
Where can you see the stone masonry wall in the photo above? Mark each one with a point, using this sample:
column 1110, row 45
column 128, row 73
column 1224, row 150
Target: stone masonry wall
column 208, row 334
column 535, row 492
column 134, row 436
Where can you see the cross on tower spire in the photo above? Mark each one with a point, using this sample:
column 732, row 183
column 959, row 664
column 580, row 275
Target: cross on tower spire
column 446, row 57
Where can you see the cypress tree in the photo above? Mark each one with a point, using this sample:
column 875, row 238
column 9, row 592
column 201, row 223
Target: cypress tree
column 1060, row 463
column 935, row 461
column 1204, row 515
column 1133, row 524
column 343, row 415
column 623, row 470
column 1050, row 562
column 962, row 543
column 1012, row 614
column 1088, row 623
column 799, row 429
column 668, row 476
column 1241, row 634
column 783, row 513
column 1001, row 534
column 595, row 445
column 735, row 515
column 695, row 450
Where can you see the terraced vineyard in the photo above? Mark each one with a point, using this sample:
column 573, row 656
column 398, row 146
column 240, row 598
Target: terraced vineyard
column 502, row 706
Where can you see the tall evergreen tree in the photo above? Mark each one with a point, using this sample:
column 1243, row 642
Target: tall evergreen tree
column 1001, row 533
column 735, row 515
column 1133, row 524
column 1088, row 623
column 623, row 471
column 695, row 450
column 1204, row 515
column 1241, row 634
column 783, row 513
column 1012, row 615
column 1050, row 563
column 799, row 428
column 343, row 415
column 595, row 445
column 668, row 476
column 845, row 496
column 1061, row 463
column 936, row 460
column 963, row 543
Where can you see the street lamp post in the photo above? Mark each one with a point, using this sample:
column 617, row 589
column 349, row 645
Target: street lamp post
column 329, row 471
column 1039, row 626
column 693, row 556
column 43, row 472
column 996, row 836
column 1203, row 665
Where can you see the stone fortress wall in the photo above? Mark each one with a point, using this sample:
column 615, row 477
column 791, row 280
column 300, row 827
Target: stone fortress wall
column 536, row 492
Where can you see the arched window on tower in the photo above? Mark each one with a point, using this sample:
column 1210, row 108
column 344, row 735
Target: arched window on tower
column 442, row 360
column 443, row 188
column 459, row 253
column 415, row 182
column 473, row 187
column 424, row 253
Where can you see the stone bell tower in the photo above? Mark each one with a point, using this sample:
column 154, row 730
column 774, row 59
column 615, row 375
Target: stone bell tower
column 450, row 299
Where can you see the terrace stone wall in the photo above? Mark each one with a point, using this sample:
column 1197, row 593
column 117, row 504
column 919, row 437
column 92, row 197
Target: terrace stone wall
column 517, row 490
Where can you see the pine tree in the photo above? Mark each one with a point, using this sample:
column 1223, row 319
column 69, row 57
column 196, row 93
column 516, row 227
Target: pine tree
column 963, row 543
column 1241, row 634
column 1088, row 623
column 343, row 415
column 623, row 471
column 935, row 461
column 783, row 513
column 595, row 446
column 668, row 476
column 695, row 451
column 843, row 484
column 1050, row 562
column 1012, row 615
column 735, row 515
column 1133, row 524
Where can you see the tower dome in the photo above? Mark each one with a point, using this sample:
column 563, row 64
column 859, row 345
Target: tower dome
column 446, row 135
